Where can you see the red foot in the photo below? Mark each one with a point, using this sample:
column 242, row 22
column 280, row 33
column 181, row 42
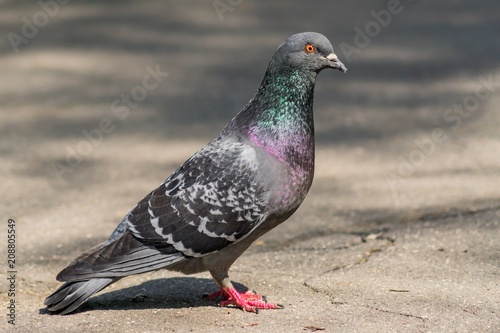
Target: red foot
column 247, row 300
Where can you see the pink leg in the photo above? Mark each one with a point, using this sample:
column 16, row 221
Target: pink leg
column 247, row 300
column 217, row 294
column 249, row 295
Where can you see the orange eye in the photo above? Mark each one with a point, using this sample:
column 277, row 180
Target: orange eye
column 309, row 48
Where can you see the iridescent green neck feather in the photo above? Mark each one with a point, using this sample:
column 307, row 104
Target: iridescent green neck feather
column 279, row 118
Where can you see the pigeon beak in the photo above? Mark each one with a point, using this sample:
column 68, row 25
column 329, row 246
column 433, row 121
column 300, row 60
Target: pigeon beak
column 334, row 62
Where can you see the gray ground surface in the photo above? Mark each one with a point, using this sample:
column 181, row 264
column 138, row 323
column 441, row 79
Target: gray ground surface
column 401, row 230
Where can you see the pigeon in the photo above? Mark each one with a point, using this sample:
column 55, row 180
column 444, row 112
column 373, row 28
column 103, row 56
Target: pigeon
column 244, row 183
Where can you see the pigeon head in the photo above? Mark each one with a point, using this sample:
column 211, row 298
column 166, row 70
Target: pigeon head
column 307, row 51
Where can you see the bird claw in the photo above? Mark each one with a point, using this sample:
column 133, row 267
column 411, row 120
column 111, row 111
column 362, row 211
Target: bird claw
column 248, row 301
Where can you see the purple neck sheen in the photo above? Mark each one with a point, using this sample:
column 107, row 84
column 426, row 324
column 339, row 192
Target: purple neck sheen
column 270, row 147
column 294, row 146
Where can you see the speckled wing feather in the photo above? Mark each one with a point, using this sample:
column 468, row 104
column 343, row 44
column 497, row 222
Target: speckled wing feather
column 211, row 201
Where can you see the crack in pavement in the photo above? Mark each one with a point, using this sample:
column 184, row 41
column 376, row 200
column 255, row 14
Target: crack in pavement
column 420, row 218
column 364, row 258
column 423, row 319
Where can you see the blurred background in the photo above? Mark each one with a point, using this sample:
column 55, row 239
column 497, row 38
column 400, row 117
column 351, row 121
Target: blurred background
column 101, row 101
column 67, row 66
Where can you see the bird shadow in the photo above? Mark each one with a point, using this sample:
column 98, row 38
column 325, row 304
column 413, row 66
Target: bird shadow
column 164, row 293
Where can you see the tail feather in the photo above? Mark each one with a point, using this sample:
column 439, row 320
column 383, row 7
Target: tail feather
column 105, row 264
column 71, row 295
column 125, row 256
